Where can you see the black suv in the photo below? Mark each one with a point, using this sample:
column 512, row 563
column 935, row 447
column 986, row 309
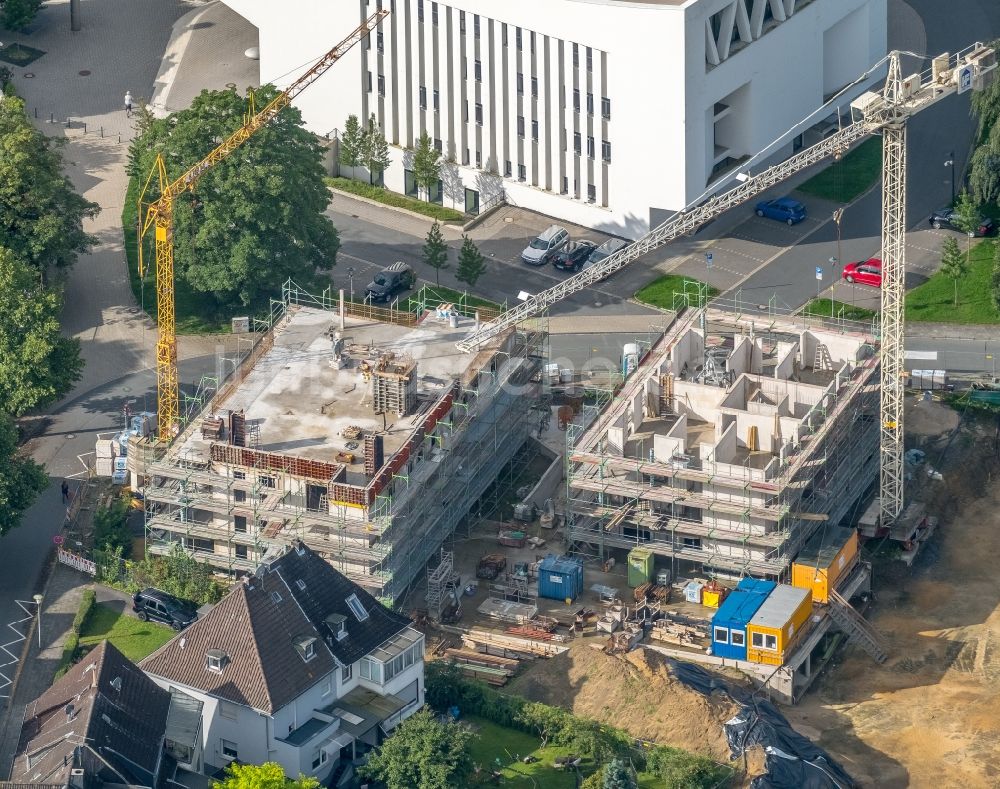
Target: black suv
column 386, row 284
column 152, row 604
column 946, row 218
column 572, row 256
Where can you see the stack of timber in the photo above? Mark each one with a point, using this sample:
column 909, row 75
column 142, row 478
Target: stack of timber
column 510, row 645
column 652, row 592
column 492, row 669
column 678, row 633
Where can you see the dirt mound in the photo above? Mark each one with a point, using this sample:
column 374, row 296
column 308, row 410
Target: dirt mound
column 634, row 691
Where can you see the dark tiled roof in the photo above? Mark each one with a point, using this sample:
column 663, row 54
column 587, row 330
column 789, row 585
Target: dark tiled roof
column 116, row 710
column 326, row 592
column 257, row 624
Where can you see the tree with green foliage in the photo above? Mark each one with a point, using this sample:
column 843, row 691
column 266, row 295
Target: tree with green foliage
column 374, row 150
column 953, row 264
column 176, row 573
column 254, row 219
column 426, row 164
column 471, row 263
column 422, row 752
column 966, row 218
column 436, row 251
column 37, row 364
column 111, row 527
column 41, row 215
column 351, row 144
column 619, row 774
column 269, row 775
column 20, row 481
column 18, row 14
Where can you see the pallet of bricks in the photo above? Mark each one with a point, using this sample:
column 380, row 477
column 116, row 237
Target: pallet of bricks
column 492, row 669
column 674, row 632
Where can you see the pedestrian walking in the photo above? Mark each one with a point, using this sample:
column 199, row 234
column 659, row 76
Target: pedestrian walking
column 65, row 492
column 128, row 104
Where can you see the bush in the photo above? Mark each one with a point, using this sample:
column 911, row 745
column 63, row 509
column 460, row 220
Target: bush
column 111, row 527
column 86, row 604
column 680, row 770
column 384, row 196
column 72, row 644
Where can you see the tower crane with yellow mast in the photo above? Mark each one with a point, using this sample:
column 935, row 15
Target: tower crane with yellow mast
column 159, row 215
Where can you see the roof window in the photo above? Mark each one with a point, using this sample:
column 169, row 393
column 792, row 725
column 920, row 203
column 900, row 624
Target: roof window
column 216, row 660
column 306, row 647
column 301, row 584
column 276, row 597
column 356, row 608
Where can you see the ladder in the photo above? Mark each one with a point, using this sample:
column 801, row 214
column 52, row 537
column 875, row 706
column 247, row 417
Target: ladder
column 857, row 629
column 666, row 394
column 822, row 360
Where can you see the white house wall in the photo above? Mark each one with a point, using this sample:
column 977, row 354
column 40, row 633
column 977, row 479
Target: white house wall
column 649, row 59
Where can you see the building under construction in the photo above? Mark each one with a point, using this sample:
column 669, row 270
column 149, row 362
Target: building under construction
column 369, row 440
column 730, row 443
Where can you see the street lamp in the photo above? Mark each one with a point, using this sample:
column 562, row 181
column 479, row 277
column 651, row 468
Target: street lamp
column 951, row 163
column 38, row 609
column 350, row 274
column 833, row 269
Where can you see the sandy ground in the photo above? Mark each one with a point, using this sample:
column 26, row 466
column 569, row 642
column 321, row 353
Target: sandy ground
column 930, row 716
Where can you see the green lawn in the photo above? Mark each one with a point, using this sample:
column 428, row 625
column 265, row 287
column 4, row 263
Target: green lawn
column 934, row 300
column 511, row 745
column 134, row 638
column 660, row 292
column 381, row 195
column 853, row 175
column 826, row 308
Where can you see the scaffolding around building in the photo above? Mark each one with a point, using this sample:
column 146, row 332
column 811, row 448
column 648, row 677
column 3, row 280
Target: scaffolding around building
column 727, row 474
column 378, row 518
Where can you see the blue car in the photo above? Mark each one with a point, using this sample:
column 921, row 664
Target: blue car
column 784, row 209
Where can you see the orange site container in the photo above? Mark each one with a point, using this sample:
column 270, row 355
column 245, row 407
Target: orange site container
column 825, row 560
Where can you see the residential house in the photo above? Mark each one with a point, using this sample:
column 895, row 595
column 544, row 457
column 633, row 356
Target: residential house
column 297, row 665
column 105, row 722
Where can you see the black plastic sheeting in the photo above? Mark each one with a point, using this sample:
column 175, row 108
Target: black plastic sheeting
column 792, row 761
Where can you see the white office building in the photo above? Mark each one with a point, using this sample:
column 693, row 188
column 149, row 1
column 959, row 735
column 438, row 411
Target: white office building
column 608, row 113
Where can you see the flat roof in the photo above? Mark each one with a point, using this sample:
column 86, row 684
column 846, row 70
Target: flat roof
column 300, row 403
column 823, row 547
column 738, row 608
column 779, row 606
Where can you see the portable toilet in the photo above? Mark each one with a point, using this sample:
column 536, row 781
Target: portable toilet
column 640, row 566
column 729, row 625
column 825, row 560
column 560, row 578
column 693, row 590
column 774, row 628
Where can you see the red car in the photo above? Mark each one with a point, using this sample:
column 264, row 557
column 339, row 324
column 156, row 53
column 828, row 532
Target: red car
column 865, row 272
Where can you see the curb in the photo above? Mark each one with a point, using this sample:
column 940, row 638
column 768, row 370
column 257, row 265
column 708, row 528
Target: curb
column 452, row 223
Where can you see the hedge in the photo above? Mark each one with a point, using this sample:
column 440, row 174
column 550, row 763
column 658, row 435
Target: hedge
column 445, row 687
column 72, row 644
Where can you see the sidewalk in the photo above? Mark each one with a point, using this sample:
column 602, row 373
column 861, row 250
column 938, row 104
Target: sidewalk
column 59, row 607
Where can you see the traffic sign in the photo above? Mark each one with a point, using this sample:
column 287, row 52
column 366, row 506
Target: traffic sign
column 965, row 75
column 708, row 259
column 819, row 272
column 58, row 539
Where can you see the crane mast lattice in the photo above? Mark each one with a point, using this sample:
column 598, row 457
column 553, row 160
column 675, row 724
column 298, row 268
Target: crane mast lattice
column 159, row 214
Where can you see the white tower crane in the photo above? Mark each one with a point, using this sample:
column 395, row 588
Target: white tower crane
column 886, row 113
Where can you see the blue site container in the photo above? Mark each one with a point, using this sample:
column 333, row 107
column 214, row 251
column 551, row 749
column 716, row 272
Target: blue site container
column 560, row 578
column 729, row 625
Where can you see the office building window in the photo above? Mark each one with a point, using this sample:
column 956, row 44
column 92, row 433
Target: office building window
column 437, row 100
column 369, row 82
column 479, row 114
column 534, row 87
column 434, row 13
column 461, row 21
column 590, row 147
column 423, row 97
column 532, row 42
column 520, row 126
column 520, row 82
column 605, row 107
column 240, row 551
column 606, row 151
column 503, row 34
column 379, row 42
column 507, row 169
column 522, row 173
column 438, row 146
column 576, row 99
column 479, row 158
column 420, row 10
column 479, row 71
column 465, row 157
column 577, row 143
column 381, row 85
column 591, row 193
column 534, row 130
column 517, row 37
column 590, row 59
column 576, row 55
column 565, row 186
column 590, row 103
column 475, row 25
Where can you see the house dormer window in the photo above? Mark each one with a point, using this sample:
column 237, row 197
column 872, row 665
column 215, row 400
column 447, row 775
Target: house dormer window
column 336, row 624
column 216, row 660
column 356, row 608
column 306, row 647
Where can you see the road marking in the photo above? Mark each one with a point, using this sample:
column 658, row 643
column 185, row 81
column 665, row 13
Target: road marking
column 5, row 681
